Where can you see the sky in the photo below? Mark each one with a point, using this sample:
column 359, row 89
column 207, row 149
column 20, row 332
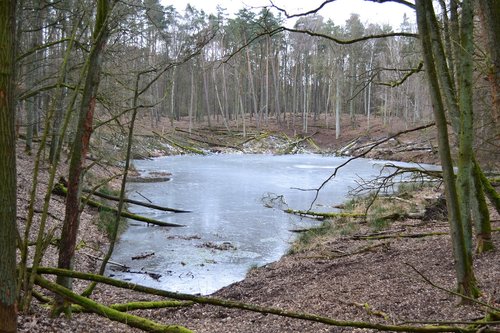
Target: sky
column 339, row 11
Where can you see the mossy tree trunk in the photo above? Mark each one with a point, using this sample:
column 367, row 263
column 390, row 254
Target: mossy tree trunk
column 8, row 189
column 466, row 131
column 81, row 144
column 435, row 75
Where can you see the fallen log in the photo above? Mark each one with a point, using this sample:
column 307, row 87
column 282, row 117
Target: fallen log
column 131, row 306
column 59, row 189
column 260, row 309
column 178, row 145
column 135, row 202
column 322, row 216
column 112, row 314
column 206, row 141
column 294, row 144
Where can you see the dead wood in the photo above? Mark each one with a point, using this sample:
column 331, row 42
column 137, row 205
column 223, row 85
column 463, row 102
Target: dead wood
column 59, row 189
column 178, row 145
column 344, row 254
column 322, row 216
column 131, row 306
column 143, row 256
column 398, row 235
column 230, row 304
column 206, row 140
column 135, row 202
column 294, row 144
column 109, row 261
column 112, row 314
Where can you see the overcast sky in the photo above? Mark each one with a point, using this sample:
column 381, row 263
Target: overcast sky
column 339, row 10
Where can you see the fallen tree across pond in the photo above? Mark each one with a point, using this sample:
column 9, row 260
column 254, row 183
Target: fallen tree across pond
column 135, row 202
column 247, row 307
column 59, row 189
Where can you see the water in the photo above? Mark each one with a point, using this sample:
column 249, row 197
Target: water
column 229, row 229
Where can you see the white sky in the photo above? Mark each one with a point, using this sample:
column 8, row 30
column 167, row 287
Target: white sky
column 339, row 11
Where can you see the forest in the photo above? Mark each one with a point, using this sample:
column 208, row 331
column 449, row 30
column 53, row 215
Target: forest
column 87, row 84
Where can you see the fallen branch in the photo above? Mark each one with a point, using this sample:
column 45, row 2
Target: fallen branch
column 135, row 202
column 109, row 261
column 178, row 145
column 293, row 145
column 59, row 189
column 105, row 311
column 471, row 299
column 257, row 308
column 421, row 235
column 143, row 256
column 343, row 254
column 138, row 306
column 322, row 216
column 334, row 174
column 209, row 143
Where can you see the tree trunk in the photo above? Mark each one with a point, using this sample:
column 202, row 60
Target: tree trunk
column 480, row 213
column 81, row 145
column 463, row 266
column 8, row 189
column 337, row 108
column 489, row 10
column 466, row 133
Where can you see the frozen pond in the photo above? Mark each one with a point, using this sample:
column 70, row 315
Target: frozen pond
column 229, row 229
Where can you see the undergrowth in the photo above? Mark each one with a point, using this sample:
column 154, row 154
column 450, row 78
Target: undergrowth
column 381, row 212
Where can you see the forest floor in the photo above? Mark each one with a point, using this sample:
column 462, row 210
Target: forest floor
column 341, row 274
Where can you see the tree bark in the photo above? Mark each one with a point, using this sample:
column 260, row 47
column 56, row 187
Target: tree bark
column 466, row 133
column 463, row 266
column 489, row 10
column 481, row 213
column 81, row 144
column 8, row 189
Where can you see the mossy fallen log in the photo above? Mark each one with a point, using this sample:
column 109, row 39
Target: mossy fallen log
column 105, row 311
column 262, row 309
column 59, row 189
column 131, row 306
column 322, row 216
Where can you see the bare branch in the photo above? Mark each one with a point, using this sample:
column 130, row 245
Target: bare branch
column 404, row 78
column 322, row 5
column 349, row 41
column 363, row 154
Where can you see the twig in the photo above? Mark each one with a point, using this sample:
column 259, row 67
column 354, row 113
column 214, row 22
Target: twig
column 109, row 262
column 145, row 198
column 451, row 291
column 363, row 154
